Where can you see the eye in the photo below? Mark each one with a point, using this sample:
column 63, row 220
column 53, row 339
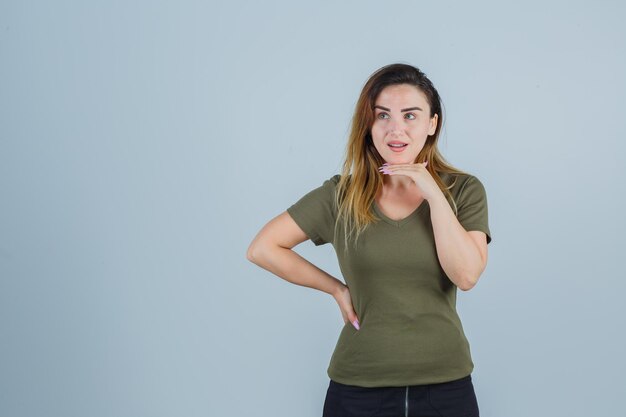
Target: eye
column 411, row 114
column 381, row 114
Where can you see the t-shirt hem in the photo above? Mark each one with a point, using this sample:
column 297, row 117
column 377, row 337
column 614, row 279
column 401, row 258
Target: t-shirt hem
column 395, row 382
column 301, row 221
column 480, row 227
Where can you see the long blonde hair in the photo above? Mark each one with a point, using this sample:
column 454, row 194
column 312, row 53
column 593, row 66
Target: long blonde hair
column 360, row 180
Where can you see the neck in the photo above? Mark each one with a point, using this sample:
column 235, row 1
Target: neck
column 398, row 182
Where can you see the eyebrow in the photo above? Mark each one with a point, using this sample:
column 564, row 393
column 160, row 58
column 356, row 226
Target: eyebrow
column 407, row 109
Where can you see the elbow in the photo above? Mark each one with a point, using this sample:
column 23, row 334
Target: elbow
column 252, row 253
column 470, row 279
column 466, row 286
column 258, row 252
column 468, row 283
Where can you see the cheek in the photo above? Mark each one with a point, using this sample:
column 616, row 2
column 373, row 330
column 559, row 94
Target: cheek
column 378, row 131
column 420, row 128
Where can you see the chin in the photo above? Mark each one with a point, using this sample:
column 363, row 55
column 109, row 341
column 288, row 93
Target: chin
column 402, row 159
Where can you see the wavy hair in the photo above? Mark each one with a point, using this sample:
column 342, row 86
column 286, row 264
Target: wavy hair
column 360, row 179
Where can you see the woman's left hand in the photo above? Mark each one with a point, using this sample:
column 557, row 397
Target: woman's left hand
column 418, row 173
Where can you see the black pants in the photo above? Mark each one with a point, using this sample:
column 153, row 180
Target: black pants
column 448, row 399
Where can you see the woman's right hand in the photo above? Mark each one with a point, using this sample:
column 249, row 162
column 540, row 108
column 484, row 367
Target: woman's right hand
column 342, row 296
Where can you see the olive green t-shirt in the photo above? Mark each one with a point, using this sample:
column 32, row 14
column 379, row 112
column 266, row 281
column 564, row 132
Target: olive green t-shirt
column 410, row 332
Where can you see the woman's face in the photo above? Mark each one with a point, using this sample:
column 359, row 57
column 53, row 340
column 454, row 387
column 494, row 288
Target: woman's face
column 401, row 115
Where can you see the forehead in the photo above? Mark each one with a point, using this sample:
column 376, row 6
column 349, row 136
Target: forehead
column 401, row 95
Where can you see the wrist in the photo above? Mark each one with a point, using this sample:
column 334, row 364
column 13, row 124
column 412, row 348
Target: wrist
column 338, row 288
column 438, row 199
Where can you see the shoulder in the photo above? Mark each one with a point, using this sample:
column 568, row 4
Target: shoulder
column 456, row 180
column 331, row 183
column 334, row 180
column 462, row 183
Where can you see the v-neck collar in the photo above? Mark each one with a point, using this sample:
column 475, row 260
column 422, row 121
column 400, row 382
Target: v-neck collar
column 401, row 222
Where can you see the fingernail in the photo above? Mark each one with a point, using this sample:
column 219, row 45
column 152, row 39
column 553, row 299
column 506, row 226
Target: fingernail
column 386, row 163
column 356, row 324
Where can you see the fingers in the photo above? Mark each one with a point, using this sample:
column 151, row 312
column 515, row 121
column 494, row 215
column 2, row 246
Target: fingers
column 398, row 168
column 386, row 167
column 347, row 310
column 350, row 316
column 354, row 319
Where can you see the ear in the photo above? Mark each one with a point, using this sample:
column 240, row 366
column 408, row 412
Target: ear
column 433, row 124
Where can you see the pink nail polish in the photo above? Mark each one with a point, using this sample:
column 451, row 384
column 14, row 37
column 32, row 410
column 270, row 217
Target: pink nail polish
column 356, row 324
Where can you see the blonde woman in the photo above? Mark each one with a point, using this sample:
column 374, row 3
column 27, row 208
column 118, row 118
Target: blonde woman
column 408, row 230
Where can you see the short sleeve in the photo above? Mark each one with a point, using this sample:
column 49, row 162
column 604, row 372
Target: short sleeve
column 472, row 207
column 315, row 212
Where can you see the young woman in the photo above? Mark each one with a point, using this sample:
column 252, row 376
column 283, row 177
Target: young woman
column 408, row 230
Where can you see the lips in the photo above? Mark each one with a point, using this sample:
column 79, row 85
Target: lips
column 397, row 146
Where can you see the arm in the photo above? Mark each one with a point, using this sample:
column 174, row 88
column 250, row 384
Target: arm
column 271, row 249
column 462, row 254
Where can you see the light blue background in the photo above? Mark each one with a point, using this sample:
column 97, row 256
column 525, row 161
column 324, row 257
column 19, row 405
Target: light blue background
column 144, row 144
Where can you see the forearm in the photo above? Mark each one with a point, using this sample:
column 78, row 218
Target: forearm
column 458, row 254
column 289, row 265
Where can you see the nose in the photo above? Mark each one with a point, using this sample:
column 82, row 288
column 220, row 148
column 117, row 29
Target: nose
column 395, row 127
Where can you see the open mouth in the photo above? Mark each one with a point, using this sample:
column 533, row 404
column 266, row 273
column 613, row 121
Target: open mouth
column 397, row 146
